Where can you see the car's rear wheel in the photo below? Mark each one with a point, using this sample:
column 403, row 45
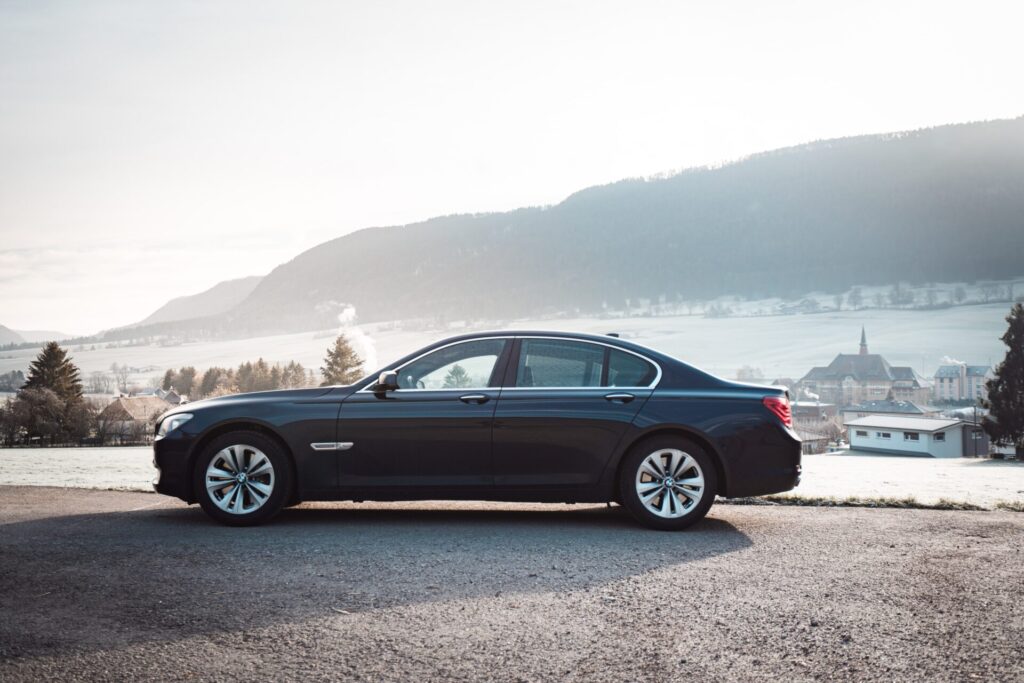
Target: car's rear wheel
column 242, row 478
column 667, row 483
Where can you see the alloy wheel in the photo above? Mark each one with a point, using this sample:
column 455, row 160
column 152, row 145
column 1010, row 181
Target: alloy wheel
column 240, row 479
column 669, row 483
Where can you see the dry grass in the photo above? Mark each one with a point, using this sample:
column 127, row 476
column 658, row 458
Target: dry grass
column 908, row 502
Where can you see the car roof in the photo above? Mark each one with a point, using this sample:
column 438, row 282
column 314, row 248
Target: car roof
column 560, row 334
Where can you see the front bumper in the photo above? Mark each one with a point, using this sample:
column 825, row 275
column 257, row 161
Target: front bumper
column 171, row 459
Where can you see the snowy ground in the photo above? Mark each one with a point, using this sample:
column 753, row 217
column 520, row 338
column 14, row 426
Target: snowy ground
column 781, row 346
column 981, row 482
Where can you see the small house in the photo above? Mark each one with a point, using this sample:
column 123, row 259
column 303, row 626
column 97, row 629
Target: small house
column 920, row 436
column 130, row 418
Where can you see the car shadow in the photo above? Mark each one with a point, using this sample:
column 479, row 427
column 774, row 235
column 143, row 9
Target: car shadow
column 93, row 581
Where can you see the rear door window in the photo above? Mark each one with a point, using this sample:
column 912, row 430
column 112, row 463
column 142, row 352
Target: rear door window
column 559, row 363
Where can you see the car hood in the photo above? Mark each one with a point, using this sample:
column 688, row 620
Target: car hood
column 261, row 397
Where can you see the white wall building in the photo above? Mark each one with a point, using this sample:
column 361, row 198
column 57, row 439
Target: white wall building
column 922, row 436
column 961, row 382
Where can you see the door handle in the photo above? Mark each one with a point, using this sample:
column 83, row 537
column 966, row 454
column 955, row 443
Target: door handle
column 475, row 398
column 619, row 398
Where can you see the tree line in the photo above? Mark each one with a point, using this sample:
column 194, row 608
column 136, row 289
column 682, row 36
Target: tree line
column 218, row 381
column 50, row 407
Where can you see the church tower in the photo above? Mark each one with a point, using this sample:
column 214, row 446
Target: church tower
column 863, row 342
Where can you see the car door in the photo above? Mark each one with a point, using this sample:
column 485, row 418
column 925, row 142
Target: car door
column 567, row 407
column 434, row 430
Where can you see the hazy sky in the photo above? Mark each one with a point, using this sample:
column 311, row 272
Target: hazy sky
column 150, row 150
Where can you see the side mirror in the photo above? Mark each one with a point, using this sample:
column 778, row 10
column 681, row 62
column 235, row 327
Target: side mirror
column 388, row 381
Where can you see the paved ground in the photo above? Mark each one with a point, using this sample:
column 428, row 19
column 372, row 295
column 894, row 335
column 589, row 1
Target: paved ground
column 967, row 480
column 114, row 585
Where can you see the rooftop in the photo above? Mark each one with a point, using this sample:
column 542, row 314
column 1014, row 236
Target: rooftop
column 902, row 407
column 954, row 370
column 914, row 424
column 863, row 367
column 141, row 408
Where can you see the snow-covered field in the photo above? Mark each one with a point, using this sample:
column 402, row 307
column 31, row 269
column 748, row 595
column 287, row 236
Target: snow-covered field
column 981, row 482
column 781, row 346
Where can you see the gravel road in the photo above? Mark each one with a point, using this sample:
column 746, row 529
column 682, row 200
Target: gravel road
column 115, row 585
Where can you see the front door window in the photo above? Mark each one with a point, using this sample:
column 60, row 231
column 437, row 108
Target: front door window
column 469, row 365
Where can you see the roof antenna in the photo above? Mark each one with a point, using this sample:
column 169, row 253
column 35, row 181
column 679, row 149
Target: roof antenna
column 613, row 334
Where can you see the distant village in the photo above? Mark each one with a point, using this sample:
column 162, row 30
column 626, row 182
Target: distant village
column 862, row 402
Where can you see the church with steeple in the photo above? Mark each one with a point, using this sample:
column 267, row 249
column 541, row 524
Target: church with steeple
column 864, row 376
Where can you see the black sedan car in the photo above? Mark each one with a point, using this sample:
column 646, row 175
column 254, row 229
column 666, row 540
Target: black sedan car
column 507, row 416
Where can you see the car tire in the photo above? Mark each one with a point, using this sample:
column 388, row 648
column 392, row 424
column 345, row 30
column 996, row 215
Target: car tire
column 245, row 500
column 661, row 497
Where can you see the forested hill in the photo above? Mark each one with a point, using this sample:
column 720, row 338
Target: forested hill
column 942, row 204
column 9, row 336
column 217, row 300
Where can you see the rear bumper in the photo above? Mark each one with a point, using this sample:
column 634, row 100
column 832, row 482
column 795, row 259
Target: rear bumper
column 772, row 465
column 171, row 459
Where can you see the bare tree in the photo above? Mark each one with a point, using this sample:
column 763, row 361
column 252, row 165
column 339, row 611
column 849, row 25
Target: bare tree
column 121, row 374
column 855, row 299
column 992, row 293
column 99, row 383
column 959, row 294
column 900, row 296
column 833, row 429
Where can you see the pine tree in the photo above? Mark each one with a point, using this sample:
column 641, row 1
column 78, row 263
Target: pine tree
column 342, row 364
column 243, row 377
column 260, row 376
column 53, row 370
column 184, row 381
column 457, row 378
column 1005, row 421
column 212, row 379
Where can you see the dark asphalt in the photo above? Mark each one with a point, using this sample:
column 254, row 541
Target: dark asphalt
column 110, row 585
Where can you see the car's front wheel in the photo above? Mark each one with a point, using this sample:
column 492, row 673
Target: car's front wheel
column 667, row 483
column 242, row 478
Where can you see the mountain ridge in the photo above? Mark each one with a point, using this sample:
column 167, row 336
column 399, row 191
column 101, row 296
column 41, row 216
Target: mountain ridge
column 9, row 336
column 218, row 299
column 915, row 206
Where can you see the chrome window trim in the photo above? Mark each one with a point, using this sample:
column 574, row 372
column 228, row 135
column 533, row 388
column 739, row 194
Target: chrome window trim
column 652, row 385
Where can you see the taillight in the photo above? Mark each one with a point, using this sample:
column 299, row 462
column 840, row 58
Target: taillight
column 780, row 406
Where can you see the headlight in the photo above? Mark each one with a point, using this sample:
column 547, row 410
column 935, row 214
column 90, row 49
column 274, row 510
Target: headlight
column 171, row 423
